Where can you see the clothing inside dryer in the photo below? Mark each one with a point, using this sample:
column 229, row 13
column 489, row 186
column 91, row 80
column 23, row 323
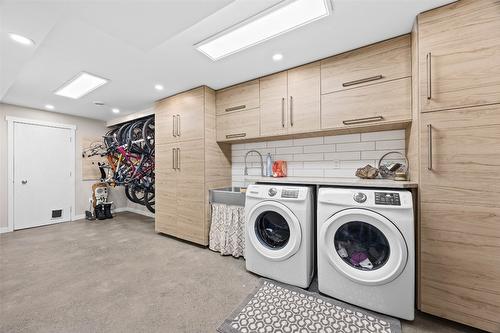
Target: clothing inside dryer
column 272, row 230
column 361, row 245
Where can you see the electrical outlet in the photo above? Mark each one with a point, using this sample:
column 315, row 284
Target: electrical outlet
column 336, row 164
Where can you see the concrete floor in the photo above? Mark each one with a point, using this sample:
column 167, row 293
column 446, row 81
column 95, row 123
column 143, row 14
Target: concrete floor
column 120, row 276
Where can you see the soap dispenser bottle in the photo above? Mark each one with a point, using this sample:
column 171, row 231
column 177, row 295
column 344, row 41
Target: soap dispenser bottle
column 269, row 165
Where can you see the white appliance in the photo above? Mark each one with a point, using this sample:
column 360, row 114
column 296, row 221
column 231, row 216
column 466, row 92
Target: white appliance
column 279, row 234
column 366, row 248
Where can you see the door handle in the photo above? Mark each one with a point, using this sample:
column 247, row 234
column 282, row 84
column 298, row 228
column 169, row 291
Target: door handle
column 428, row 63
column 178, row 125
column 291, row 111
column 368, row 79
column 429, row 153
column 362, row 120
column 235, row 108
column 24, row 182
column 283, row 112
column 178, row 158
column 173, row 158
column 174, row 126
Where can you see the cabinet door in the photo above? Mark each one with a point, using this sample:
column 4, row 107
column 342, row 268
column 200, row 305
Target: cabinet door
column 460, row 215
column 388, row 102
column 166, row 188
column 273, row 104
column 165, row 122
column 190, row 111
column 238, row 125
column 191, row 192
column 304, row 98
column 244, row 96
column 380, row 62
column 459, row 55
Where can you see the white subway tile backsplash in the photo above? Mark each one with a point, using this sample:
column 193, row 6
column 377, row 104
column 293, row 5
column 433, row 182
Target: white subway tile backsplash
column 390, row 144
column 308, row 141
column 384, row 135
column 329, row 156
column 290, row 150
column 280, row 143
column 347, row 155
column 308, row 157
column 320, row 148
column 357, row 146
column 343, row 138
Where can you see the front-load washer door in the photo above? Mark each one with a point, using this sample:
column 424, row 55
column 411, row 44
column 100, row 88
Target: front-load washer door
column 364, row 246
column 273, row 230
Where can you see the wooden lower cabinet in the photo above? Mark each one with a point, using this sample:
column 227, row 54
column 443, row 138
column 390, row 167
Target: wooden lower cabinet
column 184, row 174
column 460, row 215
column 387, row 102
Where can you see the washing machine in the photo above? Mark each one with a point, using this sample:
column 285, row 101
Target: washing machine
column 366, row 248
column 279, row 223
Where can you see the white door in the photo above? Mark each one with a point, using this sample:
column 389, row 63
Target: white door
column 43, row 183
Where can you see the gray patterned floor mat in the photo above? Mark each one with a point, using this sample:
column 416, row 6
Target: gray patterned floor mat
column 275, row 307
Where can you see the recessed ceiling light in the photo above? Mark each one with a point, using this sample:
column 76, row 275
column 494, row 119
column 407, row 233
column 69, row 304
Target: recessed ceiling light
column 158, row 87
column 49, row 107
column 277, row 57
column 80, row 85
column 281, row 18
column 21, row 39
column 115, row 110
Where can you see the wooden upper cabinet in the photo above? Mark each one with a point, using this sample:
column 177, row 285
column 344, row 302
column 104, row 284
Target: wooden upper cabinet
column 238, row 125
column 273, row 104
column 459, row 55
column 180, row 117
column 388, row 102
column 244, row 96
column 304, row 98
column 460, row 215
column 384, row 61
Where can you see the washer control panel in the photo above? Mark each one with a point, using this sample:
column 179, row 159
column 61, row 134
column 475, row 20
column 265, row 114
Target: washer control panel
column 387, row 198
column 290, row 194
column 272, row 192
column 359, row 197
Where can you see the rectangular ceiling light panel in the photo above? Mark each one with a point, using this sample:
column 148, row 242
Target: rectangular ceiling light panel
column 81, row 85
column 284, row 17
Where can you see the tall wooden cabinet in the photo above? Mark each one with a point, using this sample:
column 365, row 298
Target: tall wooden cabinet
column 459, row 153
column 189, row 162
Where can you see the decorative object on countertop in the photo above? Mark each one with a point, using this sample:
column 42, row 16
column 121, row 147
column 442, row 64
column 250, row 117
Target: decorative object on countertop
column 391, row 170
column 269, row 165
column 326, row 314
column 227, row 231
column 367, row 172
column 279, row 169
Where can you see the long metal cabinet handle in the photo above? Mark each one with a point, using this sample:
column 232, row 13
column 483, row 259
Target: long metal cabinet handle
column 429, row 153
column 178, row 158
column 428, row 64
column 283, row 112
column 291, row 111
column 362, row 120
column 174, row 127
column 368, row 79
column 178, row 125
column 237, row 135
column 234, row 108
column 173, row 158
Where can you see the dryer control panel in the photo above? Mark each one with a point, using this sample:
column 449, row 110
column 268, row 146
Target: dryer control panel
column 387, row 198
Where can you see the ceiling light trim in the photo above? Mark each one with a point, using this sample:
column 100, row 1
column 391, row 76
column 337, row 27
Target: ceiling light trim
column 74, row 81
column 283, row 5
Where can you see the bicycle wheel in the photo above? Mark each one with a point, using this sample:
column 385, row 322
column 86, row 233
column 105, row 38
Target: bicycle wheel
column 121, row 135
column 128, row 192
column 149, row 195
column 148, row 132
column 138, row 194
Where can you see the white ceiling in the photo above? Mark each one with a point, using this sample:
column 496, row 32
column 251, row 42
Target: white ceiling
column 137, row 44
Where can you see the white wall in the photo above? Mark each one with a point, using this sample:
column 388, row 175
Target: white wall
column 328, row 156
column 84, row 128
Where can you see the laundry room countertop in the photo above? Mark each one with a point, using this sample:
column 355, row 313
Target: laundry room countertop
column 350, row 182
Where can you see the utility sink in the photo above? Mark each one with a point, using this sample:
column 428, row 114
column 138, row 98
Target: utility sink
column 228, row 195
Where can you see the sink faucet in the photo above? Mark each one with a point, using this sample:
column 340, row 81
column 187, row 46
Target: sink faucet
column 261, row 162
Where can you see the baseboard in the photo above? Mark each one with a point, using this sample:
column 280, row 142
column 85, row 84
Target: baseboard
column 78, row 217
column 139, row 211
column 4, row 230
